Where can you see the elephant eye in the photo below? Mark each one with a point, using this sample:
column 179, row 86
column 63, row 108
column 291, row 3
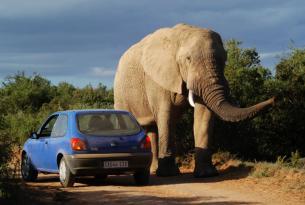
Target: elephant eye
column 188, row 58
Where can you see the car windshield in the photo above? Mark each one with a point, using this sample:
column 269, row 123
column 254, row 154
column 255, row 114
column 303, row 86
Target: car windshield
column 107, row 124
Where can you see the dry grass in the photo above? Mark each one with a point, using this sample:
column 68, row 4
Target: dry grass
column 289, row 178
column 288, row 174
column 187, row 162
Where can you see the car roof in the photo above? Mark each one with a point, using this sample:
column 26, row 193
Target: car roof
column 92, row 111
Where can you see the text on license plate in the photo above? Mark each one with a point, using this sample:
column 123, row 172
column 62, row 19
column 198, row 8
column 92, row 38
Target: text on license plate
column 115, row 164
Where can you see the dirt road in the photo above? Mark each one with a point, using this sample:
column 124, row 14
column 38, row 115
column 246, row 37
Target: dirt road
column 232, row 188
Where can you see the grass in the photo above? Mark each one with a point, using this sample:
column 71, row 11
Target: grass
column 285, row 165
column 288, row 172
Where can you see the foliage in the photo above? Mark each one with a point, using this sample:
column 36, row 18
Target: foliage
column 278, row 131
column 25, row 93
column 294, row 161
column 184, row 133
column 25, row 101
column 284, row 126
column 283, row 165
column 8, row 170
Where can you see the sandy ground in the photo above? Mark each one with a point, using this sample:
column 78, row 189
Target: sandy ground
column 229, row 188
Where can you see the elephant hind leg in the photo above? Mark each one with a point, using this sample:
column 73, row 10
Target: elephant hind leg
column 153, row 135
column 167, row 165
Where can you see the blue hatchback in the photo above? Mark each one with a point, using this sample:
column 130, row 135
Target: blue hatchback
column 88, row 143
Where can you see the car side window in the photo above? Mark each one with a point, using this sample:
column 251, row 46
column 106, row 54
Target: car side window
column 47, row 128
column 60, row 126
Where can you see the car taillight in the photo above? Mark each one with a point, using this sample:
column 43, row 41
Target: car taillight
column 146, row 144
column 78, row 144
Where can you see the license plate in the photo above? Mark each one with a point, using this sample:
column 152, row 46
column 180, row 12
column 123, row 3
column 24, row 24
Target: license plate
column 115, row 164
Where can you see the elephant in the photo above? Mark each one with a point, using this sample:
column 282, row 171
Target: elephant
column 156, row 78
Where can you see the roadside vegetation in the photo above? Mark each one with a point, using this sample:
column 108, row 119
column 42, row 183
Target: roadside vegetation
column 26, row 100
column 8, row 165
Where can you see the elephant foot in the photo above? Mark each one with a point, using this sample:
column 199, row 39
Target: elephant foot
column 203, row 164
column 167, row 167
column 154, row 166
column 206, row 171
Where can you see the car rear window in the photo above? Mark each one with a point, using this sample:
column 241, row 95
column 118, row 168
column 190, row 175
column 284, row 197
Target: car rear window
column 107, row 124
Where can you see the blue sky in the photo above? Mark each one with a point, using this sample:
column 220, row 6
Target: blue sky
column 81, row 41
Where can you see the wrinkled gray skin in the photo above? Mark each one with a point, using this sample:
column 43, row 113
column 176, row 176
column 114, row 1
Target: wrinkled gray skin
column 153, row 80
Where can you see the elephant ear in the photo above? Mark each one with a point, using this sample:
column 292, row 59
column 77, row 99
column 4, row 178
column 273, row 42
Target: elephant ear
column 159, row 61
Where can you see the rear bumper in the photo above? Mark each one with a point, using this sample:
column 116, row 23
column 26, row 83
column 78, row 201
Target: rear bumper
column 92, row 164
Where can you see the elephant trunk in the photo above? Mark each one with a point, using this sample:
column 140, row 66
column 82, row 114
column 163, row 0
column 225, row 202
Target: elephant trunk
column 213, row 91
column 228, row 112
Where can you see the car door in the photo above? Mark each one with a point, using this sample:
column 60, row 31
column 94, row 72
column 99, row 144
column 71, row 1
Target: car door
column 56, row 142
column 44, row 134
column 34, row 150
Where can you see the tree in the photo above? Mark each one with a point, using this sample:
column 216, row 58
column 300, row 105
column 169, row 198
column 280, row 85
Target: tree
column 279, row 131
column 289, row 119
column 246, row 78
column 20, row 92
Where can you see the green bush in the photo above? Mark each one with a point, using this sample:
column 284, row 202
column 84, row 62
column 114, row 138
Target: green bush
column 9, row 175
column 25, row 101
column 278, row 131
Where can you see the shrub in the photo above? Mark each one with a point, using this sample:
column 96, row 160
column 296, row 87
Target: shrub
column 9, row 164
column 294, row 161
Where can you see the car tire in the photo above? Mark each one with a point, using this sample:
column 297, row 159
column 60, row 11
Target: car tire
column 65, row 175
column 142, row 177
column 28, row 171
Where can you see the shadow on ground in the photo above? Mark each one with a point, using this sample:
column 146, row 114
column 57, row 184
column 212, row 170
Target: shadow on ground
column 231, row 173
column 129, row 197
column 87, row 190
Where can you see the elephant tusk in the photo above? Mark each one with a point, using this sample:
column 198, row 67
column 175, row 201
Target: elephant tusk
column 191, row 98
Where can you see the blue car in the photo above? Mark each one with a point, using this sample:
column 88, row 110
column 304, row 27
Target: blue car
column 88, row 143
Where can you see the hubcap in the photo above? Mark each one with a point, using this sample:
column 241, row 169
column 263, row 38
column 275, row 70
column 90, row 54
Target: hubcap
column 62, row 171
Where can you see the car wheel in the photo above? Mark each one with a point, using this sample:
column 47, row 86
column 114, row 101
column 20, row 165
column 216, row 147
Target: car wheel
column 28, row 171
column 142, row 177
column 65, row 176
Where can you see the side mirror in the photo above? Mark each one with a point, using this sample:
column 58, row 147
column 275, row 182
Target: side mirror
column 34, row 135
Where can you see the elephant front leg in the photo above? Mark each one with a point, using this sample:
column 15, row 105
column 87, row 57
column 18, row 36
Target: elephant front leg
column 203, row 130
column 166, row 161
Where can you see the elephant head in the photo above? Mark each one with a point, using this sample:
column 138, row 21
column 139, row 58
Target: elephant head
column 194, row 58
